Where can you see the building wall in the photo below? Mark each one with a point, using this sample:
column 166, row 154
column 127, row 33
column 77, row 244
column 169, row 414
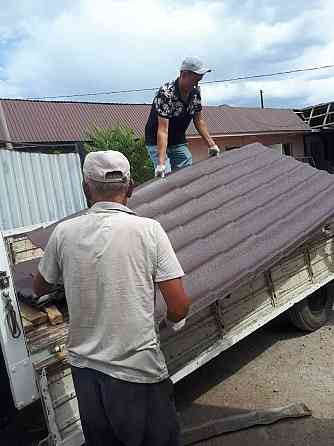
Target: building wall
column 199, row 149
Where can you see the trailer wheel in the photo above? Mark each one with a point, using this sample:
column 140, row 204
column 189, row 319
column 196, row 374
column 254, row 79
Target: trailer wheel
column 312, row 312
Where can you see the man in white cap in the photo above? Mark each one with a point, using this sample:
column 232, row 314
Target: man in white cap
column 175, row 105
column 109, row 260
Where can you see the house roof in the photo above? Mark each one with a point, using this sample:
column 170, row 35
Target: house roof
column 34, row 121
column 230, row 218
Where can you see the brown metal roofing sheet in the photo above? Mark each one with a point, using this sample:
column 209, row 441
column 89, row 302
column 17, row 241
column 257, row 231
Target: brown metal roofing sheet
column 44, row 121
column 236, row 120
column 230, row 218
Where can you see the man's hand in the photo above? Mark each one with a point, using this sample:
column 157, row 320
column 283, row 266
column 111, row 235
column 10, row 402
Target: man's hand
column 160, row 171
column 40, row 286
column 175, row 326
column 213, row 151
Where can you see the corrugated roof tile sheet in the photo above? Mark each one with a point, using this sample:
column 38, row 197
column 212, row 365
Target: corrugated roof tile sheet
column 52, row 121
column 232, row 217
column 38, row 187
column 229, row 218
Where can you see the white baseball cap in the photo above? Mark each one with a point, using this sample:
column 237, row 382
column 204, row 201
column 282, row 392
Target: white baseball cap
column 107, row 166
column 195, row 65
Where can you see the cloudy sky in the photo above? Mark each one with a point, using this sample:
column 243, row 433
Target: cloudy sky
column 63, row 47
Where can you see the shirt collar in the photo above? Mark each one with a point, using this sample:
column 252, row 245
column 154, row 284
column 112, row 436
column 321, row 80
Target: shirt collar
column 102, row 206
column 178, row 94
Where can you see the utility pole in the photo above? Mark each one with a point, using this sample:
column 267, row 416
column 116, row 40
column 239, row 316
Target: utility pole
column 261, row 94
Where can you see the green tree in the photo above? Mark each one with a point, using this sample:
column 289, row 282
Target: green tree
column 123, row 139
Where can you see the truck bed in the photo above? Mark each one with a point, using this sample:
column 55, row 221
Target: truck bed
column 208, row 332
column 228, row 319
column 248, row 229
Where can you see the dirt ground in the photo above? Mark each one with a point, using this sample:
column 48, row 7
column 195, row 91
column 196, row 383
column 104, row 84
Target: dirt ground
column 274, row 367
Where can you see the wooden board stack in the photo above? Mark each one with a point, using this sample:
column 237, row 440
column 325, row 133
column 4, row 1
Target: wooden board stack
column 32, row 317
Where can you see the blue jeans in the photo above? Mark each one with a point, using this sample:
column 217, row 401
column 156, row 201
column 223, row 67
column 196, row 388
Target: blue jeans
column 178, row 157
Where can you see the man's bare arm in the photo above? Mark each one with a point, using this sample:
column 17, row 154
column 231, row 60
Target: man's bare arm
column 176, row 299
column 40, row 285
column 202, row 129
column 162, row 139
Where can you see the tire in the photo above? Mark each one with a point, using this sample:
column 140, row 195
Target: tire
column 314, row 311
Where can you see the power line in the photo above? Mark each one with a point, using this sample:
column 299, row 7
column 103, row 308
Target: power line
column 232, row 79
column 279, row 73
column 98, row 93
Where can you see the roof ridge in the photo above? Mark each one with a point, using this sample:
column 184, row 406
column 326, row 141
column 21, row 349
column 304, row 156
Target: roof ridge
column 232, row 107
column 73, row 102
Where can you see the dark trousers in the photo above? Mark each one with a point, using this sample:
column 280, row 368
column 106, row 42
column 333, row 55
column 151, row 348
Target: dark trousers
column 121, row 413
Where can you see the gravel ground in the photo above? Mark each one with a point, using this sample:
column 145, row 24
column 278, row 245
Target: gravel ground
column 273, row 367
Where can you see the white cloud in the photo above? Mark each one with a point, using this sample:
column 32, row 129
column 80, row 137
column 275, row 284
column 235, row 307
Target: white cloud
column 279, row 93
column 97, row 45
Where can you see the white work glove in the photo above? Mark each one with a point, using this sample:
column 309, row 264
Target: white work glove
column 213, row 151
column 160, row 171
column 175, row 326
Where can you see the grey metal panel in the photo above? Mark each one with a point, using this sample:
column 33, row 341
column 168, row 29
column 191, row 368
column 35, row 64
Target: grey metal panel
column 18, row 363
column 38, row 187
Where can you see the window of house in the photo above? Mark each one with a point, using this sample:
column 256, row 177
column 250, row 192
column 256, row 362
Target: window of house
column 277, row 147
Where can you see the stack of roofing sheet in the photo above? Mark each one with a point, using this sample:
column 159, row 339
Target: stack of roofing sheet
column 232, row 217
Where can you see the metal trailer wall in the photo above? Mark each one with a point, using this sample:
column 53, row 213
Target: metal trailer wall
column 38, row 187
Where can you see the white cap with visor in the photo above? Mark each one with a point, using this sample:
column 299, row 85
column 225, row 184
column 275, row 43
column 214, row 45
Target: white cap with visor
column 107, row 166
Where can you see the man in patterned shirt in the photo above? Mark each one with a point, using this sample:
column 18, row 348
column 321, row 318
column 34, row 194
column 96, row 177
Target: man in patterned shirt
column 173, row 108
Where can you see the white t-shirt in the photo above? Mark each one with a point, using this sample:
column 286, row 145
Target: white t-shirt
column 109, row 260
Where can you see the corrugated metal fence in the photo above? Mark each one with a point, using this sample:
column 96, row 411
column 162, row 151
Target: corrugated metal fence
column 38, row 187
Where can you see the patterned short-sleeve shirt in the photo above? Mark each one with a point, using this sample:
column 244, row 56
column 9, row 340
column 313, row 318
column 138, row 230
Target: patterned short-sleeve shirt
column 168, row 104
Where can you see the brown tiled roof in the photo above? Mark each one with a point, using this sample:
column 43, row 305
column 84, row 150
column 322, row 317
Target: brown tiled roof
column 52, row 121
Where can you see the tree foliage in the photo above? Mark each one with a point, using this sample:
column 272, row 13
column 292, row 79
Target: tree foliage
column 123, row 140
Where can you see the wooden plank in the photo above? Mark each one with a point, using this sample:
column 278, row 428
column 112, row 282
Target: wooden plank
column 27, row 326
column 54, row 315
column 32, row 315
column 232, row 423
